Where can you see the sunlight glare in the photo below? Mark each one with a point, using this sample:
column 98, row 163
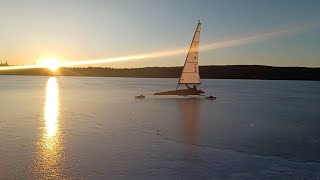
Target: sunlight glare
column 50, row 63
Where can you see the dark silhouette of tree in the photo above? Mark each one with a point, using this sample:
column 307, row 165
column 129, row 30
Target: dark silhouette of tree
column 4, row 64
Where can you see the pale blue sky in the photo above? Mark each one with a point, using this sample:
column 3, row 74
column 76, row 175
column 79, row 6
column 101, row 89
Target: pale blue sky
column 97, row 29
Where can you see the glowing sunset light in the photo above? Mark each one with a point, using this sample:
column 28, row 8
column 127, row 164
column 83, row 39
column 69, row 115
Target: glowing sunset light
column 50, row 63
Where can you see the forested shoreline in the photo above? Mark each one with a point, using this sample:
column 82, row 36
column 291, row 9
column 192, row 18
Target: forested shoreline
column 206, row 72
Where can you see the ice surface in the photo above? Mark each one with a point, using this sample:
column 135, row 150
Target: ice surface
column 253, row 130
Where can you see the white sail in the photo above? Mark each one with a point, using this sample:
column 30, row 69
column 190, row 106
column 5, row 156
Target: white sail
column 190, row 72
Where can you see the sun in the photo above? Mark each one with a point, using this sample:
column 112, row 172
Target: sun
column 50, row 63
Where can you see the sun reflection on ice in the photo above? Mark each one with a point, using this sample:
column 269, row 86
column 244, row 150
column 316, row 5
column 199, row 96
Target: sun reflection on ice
column 49, row 157
column 51, row 108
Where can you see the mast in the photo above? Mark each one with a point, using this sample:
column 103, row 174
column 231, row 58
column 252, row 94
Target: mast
column 190, row 71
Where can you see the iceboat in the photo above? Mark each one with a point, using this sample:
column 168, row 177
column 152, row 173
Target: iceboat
column 190, row 73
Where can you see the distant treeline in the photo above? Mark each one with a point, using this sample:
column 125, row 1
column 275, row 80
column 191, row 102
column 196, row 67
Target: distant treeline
column 206, row 72
column 4, row 63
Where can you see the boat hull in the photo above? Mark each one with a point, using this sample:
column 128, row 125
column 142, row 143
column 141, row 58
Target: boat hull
column 181, row 92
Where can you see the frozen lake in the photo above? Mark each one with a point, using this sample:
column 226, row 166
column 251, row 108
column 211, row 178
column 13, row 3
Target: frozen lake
column 93, row 128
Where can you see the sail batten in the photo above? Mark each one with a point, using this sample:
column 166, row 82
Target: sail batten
column 190, row 72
